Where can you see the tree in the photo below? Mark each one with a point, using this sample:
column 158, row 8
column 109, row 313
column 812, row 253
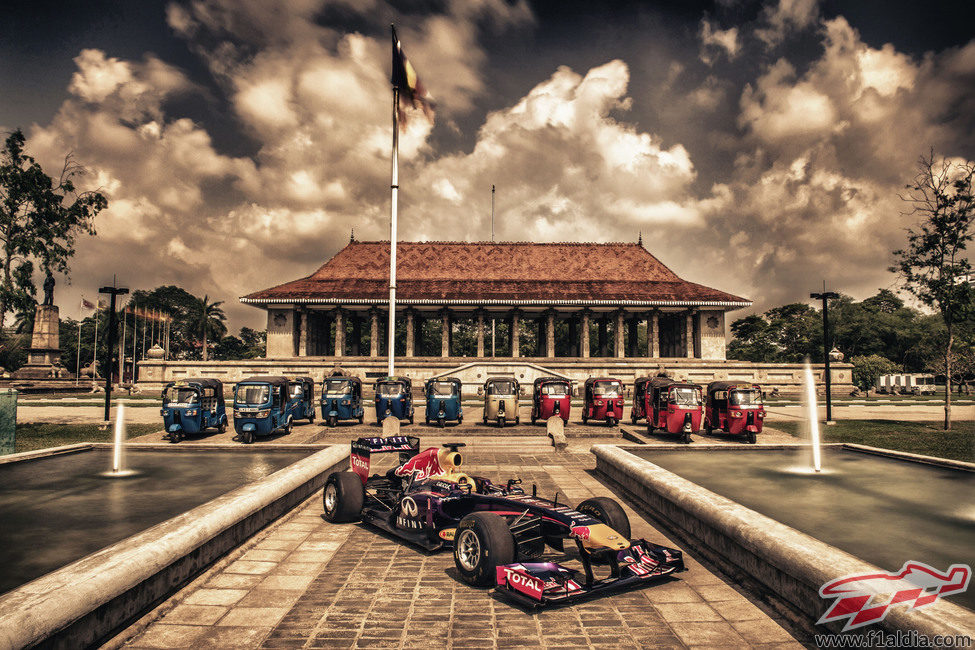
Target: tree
column 868, row 369
column 39, row 219
column 933, row 266
column 207, row 319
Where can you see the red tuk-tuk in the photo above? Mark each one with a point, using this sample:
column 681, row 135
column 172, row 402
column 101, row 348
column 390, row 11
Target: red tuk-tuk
column 672, row 406
column 551, row 396
column 603, row 400
column 734, row 407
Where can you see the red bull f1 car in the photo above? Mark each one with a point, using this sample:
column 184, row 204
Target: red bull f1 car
column 498, row 533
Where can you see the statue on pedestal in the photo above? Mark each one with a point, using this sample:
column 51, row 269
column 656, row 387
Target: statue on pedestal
column 49, row 289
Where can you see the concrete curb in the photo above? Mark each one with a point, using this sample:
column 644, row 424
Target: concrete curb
column 44, row 453
column 916, row 458
column 782, row 562
column 86, row 601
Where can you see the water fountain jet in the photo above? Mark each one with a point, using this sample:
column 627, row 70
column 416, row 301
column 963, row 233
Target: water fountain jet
column 118, row 447
column 813, row 415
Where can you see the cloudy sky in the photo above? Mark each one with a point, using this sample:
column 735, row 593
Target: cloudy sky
column 758, row 147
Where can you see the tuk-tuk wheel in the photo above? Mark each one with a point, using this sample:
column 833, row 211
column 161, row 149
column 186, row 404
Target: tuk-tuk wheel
column 534, row 419
column 517, row 420
column 611, row 422
column 311, row 418
column 362, row 419
column 585, row 420
column 460, row 419
column 441, row 423
column 751, row 437
column 332, row 421
column 685, row 438
column 222, row 428
column 287, row 427
column 709, row 429
column 248, row 437
column 500, row 423
column 633, row 417
column 174, row 437
column 411, row 418
column 485, row 420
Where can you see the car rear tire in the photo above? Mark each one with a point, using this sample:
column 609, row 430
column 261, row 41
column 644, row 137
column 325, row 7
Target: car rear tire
column 482, row 543
column 343, row 497
column 609, row 512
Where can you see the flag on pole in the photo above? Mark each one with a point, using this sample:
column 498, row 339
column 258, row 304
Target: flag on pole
column 411, row 89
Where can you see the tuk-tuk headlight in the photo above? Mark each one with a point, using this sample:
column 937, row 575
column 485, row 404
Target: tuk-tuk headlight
column 345, row 402
column 191, row 412
column 736, row 414
column 236, row 413
column 599, row 402
column 163, row 412
column 761, row 414
column 264, row 413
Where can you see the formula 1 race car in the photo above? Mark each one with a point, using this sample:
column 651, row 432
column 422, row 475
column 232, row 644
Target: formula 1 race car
column 498, row 533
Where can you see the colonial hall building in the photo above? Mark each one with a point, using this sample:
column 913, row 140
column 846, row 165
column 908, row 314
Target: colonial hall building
column 605, row 300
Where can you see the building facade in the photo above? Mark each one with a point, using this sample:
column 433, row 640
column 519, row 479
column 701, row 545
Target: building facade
column 497, row 300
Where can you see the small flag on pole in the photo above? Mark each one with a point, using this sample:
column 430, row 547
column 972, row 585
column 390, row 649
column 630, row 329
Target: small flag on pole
column 411, row 89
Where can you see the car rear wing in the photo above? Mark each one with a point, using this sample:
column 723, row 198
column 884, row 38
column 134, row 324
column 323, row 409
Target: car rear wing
column 363, row 448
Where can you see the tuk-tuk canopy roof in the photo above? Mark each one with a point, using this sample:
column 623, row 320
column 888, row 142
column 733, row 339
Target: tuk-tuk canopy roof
column 303, row 380
column 203, row 382
column 552, row 380
column 274, row 381
column 715, row 386
column 350, row 379
column 394, row 380
column 452, row 380
column 596, row 380
column 492, row 380
column 513, row 273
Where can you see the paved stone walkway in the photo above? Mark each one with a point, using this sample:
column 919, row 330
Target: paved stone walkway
column 307, row 583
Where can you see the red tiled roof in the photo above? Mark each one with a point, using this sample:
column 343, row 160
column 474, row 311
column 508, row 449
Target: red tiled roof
column 506, row 272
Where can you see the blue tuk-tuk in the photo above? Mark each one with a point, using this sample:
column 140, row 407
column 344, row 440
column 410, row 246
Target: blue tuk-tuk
column 342, row 400
column 261, row 407
column 190, row 406
column 302, row 398
column 443, row 401
column 394, row 397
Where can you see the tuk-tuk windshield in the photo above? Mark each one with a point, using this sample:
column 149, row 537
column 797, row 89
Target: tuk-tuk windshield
column 252, row 395
column 746, row 397
column 443, row 388
column 555, row 389
column 607, row 389
column 685, row 396
column 390, row 390
column 504, row 387
column 340, row 387
column 180, row 395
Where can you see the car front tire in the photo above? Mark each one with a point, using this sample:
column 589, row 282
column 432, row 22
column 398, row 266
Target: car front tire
column 482, row 543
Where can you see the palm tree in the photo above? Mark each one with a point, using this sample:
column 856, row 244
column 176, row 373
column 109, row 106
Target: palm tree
column 207, row 318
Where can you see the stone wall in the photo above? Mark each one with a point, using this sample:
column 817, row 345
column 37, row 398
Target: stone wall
column 787, row 377
column 280, row 332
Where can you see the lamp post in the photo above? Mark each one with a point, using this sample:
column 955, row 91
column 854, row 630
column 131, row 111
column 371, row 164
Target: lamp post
column 826, row 296
column 112, row 327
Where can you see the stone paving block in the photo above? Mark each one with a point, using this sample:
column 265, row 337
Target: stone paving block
column 253, row 616
column 252, row 568
column 708, row 633
column 264, row 555
column 738, row 610
column 672, row 612
column 297, row 568
column 234, row 637
column 170, row 636
column 672, row 592
column 195, row 614
column 762, row 631
column 721, row 591
column 269, row 598
column 295, row 583
column 224, row 597
column 233, row 581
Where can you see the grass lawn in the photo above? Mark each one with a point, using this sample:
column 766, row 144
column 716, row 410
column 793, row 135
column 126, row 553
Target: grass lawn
column 928, row 438
column 41, row 436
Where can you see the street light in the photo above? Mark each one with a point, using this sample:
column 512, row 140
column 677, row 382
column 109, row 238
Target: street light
column 113, row 292
column 828, row 354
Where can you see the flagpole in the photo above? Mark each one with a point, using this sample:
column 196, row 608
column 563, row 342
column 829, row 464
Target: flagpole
column 77, row 364
column 94, row 354
column 121, row 350
column 394, row 189
column 135, row 338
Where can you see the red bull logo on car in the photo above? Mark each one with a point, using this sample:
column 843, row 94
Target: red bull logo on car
column 423, row 465
column 867, row 598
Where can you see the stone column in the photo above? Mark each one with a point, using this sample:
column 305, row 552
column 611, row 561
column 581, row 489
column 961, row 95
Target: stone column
column 445, row 333
column 618, row 336
column 356, row 333
column 689, row 334
column 480, row 333
column 573, row 337
column 410, row 340
column 585, row 334
column 515, row 334
column 339, row 333
column 550, row 334
column 302, row 316
column 373, row 332
column 653, row 333
column 633, row 325
column 603, row 335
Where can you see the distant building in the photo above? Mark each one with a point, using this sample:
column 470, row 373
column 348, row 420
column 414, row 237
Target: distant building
column 601, row 293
